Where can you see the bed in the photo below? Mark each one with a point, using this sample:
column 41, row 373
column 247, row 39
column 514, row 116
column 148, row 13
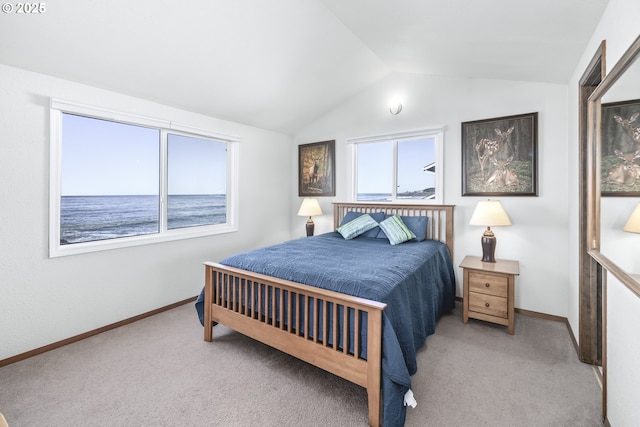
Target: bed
column 358, row 308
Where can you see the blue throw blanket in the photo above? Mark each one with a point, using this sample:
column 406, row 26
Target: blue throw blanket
column 415, row 279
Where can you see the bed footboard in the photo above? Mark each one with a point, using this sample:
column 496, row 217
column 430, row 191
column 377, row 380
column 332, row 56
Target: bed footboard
column 321, row 327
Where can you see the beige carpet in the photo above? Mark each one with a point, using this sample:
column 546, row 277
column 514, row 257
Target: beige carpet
column 159, row 372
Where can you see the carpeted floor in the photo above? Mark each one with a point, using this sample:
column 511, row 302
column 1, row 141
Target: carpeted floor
column 160, row 372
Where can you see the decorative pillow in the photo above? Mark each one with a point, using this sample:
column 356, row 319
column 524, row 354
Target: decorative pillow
column 377, row 216
column 417, row 224
column 357, row 226
column 396, row 230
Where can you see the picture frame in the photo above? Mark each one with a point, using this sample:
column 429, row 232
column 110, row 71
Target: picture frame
column 500, row 156
column 620, row 149
column 316, row 169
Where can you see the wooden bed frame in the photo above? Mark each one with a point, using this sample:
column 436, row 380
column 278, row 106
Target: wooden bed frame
column 233, row 306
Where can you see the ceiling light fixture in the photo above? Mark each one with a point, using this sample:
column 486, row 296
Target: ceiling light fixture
column 395, row 106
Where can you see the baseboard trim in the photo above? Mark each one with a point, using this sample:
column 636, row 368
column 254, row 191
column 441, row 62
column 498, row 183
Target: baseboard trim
column 62, row 343
column 573, row 339
column 557, row 319
column 58, row 344
column 548, row 317
column 598, row 375
column 541, row 315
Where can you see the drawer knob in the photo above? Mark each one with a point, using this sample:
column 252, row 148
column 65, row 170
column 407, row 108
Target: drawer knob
column 486, row 304
column 487, row 285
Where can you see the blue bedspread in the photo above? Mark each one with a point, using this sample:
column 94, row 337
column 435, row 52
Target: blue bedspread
column 415, row 279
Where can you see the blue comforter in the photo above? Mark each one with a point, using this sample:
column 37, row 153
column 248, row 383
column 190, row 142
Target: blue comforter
column 415, row 279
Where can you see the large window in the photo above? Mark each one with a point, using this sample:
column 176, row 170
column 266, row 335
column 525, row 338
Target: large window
column 404, row 167
column 121, row 180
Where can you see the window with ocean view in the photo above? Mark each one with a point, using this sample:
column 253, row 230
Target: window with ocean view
column 109, row 180
column 197, row 182
column 123, row 182
column 398, row 167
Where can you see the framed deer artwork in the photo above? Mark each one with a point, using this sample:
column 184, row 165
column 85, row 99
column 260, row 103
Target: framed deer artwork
column 316, row 169
column 620, row 149
column 500, row 156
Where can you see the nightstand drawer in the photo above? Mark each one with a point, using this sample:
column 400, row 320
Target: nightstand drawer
column 488, row 284
column 488, row 304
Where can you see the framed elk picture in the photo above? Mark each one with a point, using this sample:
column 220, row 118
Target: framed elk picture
column 620, row 149
column 316, row 169
column 500, row 156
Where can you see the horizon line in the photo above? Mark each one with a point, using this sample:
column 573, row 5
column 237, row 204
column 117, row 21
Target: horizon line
column 141, row 195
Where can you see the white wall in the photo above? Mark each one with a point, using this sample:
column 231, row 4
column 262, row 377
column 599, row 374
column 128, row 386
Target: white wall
column 45, row 300
column 623, row 347
column 538, row 237
column 619, row 27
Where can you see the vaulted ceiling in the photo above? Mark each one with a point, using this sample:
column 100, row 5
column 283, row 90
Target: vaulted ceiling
column 279, row 64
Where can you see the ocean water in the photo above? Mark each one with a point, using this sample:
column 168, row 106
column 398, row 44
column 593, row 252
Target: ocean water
column 428, row 193
column 373, row 197
column 91, row 218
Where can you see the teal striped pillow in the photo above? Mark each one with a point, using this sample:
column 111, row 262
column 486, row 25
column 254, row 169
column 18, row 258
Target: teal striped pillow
column 396, row 230
column 356, row 227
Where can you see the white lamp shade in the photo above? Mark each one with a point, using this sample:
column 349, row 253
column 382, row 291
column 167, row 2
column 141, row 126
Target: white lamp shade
column 490, row 214
column 633, row 223
column 310, row 207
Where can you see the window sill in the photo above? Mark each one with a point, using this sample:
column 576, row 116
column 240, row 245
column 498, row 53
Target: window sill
column 56, row 250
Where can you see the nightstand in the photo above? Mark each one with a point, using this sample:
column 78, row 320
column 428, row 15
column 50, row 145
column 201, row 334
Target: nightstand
column 489, row 290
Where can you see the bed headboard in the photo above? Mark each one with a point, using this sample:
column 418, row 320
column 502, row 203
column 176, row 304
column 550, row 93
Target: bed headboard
column 440, row 217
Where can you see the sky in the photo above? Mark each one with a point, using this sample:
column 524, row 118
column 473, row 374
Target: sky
column 199, row 166
column 100, row 157
column 375, row 165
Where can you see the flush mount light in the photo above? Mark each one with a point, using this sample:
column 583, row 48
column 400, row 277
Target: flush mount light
column 395, row 106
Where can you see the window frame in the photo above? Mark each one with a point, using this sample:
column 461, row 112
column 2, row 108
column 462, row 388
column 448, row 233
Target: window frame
column 59, row 107
column 437, row 133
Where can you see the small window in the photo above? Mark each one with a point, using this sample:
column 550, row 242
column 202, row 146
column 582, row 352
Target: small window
column 116, row 183
column 399, row 167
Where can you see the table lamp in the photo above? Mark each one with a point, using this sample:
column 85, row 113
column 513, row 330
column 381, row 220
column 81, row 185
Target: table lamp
column 310, row 207
column 489, row 214
column 633, row 223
